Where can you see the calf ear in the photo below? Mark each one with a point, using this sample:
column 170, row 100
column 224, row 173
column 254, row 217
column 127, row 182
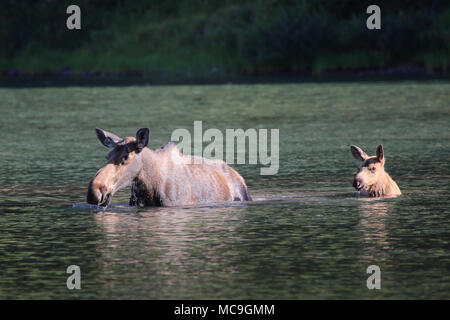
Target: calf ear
column 358, row 153
column 142, row 136
column 108, row 139
column 380, row 154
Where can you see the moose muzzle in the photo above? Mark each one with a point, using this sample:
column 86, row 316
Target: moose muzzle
column 100, row 191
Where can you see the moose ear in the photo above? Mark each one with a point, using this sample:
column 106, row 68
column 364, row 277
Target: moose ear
column 142, row 136
column 358, row 153
column 380, row 154
column 108, row 139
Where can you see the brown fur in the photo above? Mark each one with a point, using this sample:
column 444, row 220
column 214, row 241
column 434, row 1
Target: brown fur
column 164, row 177
column 371, row 179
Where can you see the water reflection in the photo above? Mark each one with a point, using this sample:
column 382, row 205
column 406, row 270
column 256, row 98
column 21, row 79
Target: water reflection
column 156, row 248
column 373, row 214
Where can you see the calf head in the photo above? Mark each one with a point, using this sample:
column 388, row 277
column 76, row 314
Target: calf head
column 371, row 169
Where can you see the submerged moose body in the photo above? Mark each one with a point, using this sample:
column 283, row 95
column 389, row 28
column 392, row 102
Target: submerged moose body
column 163, row 177
column 371, row 179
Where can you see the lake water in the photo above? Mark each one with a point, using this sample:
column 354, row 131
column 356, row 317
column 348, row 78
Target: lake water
column 306, row 235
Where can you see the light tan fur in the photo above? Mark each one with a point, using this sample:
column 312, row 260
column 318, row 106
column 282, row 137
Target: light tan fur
column 371, row 179
column 164, row 177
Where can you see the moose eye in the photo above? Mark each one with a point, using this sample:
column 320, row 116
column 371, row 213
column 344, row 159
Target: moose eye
column 124, row 159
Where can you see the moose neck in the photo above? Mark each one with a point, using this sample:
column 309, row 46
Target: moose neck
column 144, row 190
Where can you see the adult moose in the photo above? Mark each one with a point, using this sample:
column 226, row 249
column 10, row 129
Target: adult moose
column 163, row 177
column 371, row 179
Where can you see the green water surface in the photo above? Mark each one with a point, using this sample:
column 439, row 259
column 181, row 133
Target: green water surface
column 306, row 235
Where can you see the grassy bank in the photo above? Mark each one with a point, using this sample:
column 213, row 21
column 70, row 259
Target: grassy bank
column 210, row 39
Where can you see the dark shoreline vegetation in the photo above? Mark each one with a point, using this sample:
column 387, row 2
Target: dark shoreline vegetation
column 196, row 41
column 133, row 79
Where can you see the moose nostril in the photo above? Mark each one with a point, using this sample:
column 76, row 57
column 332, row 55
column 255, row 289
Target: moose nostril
column 94, row 195
column 356, row 184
